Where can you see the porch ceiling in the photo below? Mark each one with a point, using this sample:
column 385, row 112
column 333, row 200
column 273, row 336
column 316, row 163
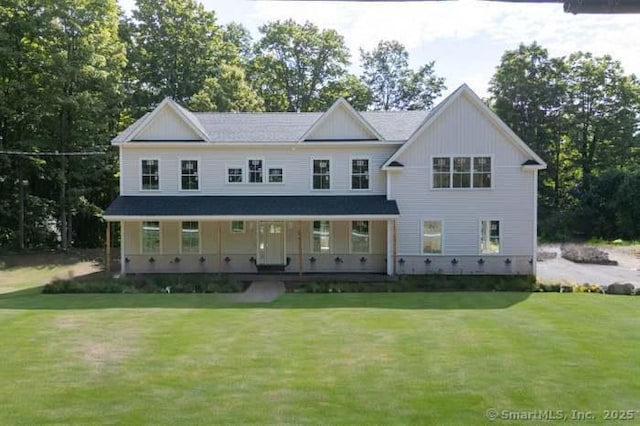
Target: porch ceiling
column 250, row 207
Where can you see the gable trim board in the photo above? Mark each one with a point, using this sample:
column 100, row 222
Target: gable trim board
column 355, row 116
column 467, row 93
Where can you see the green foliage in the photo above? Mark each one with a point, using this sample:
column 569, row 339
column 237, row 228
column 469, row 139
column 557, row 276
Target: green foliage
column 294, row 63
column 149, row 284
column 393, row 85
column 418, row 283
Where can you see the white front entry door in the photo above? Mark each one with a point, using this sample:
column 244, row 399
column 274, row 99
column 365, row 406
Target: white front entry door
column 271, row 249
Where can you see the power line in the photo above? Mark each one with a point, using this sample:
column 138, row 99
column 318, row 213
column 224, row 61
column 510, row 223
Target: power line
column 52, row 153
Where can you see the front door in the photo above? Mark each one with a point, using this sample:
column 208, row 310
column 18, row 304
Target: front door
column 271, row 250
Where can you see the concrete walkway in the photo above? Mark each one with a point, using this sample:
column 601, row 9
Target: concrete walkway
column 261, row 292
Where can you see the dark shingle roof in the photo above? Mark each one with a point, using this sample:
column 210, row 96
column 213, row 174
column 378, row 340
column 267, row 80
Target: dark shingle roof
column 312, row 206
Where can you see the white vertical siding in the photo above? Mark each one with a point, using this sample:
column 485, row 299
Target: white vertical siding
column 462, row 130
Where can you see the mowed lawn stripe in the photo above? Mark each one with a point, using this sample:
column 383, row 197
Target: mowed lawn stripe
column 329, row 358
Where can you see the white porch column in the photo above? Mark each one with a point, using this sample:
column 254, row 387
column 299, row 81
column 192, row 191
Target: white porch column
column 123, row 263
column 390, row 246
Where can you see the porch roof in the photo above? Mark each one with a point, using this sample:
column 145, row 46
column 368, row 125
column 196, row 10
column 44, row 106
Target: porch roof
column 289, row 207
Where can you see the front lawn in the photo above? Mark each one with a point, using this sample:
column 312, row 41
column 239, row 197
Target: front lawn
column 411, row 358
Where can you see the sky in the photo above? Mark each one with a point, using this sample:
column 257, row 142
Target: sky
column 465, row 38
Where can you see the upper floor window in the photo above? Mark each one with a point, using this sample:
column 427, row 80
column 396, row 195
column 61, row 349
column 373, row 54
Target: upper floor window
column 234, row 175
column 275, row 175
column 255, row 171
column 150, row 237
column 190, row 237
column 490, row 236
column 189, row 175
column 359, row 174
column 150, row 174
column 461, row 172
column 321, row 174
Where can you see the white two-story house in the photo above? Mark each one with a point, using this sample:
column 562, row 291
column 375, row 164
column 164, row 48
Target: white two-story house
column 449, row 191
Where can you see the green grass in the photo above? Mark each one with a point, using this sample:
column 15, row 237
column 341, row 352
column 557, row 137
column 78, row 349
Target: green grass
column 401, row 358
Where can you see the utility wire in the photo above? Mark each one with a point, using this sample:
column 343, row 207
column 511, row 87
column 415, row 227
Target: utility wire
column 52, row 154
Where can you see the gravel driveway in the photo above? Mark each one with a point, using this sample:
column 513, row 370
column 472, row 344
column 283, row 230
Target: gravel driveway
column 558, row 269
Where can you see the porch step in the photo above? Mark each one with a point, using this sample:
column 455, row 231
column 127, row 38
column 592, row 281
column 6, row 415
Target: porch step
column 266, row 269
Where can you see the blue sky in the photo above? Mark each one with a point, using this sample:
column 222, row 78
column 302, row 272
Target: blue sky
column 465, row 38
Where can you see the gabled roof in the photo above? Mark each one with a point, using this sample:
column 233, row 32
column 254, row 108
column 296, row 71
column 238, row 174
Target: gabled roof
column 465, row 91
column 139, row 126
column 358, row 120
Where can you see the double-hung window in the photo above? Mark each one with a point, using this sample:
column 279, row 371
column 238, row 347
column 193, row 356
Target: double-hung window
column 321, row 238
column 490, row 236
column 150, row 174
column 432, row 237
column 237, row 226
column 189, row 175
column 234, row 175
column 275, row 175
column 461, row 172
column 360, row 236
column 255, row 171
column 321, row 174
column 360, row 173
column 150, row 237
column 190, row 237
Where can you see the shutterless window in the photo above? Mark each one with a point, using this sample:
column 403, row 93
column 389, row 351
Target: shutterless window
column 234, row 174
column 441, row 172
column 490, row 236
column 275, row 175
column 255, row 171
column 190, row 237
column 482, row 172
column 432, row 237
column 237, row 226
column 461, row 172
column 360, row 236
column 150, row 237
column 359, row 174
column 321, row 174
column 189, row 175
column 150, row 176
column 321, row 236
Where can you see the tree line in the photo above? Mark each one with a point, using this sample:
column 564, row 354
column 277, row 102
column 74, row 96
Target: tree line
column 75, row 72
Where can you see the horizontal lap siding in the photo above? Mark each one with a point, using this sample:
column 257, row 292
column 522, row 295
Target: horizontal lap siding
column 295, row 162
column 462, row 130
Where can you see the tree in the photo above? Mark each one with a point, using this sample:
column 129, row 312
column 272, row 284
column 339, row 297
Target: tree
column 293, row 64
column 173, row 47
column 394, row 86
column 229, row 91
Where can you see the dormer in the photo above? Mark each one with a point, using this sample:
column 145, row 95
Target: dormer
column 341, row 123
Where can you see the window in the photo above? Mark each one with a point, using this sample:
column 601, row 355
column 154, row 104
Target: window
column 237, row 226
column 360, row 236
column 359, row 174
column 490, row 236
column 462, row 172
column 189, row 175
column 275, row 175
column 255, row 171
column 482, row 172
column 321, row 174
column 234, row 175
column 432, row 237
column 150, row 176
column 441, row 172
column 321, row 238
column 190, row 237
column 150, row 237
